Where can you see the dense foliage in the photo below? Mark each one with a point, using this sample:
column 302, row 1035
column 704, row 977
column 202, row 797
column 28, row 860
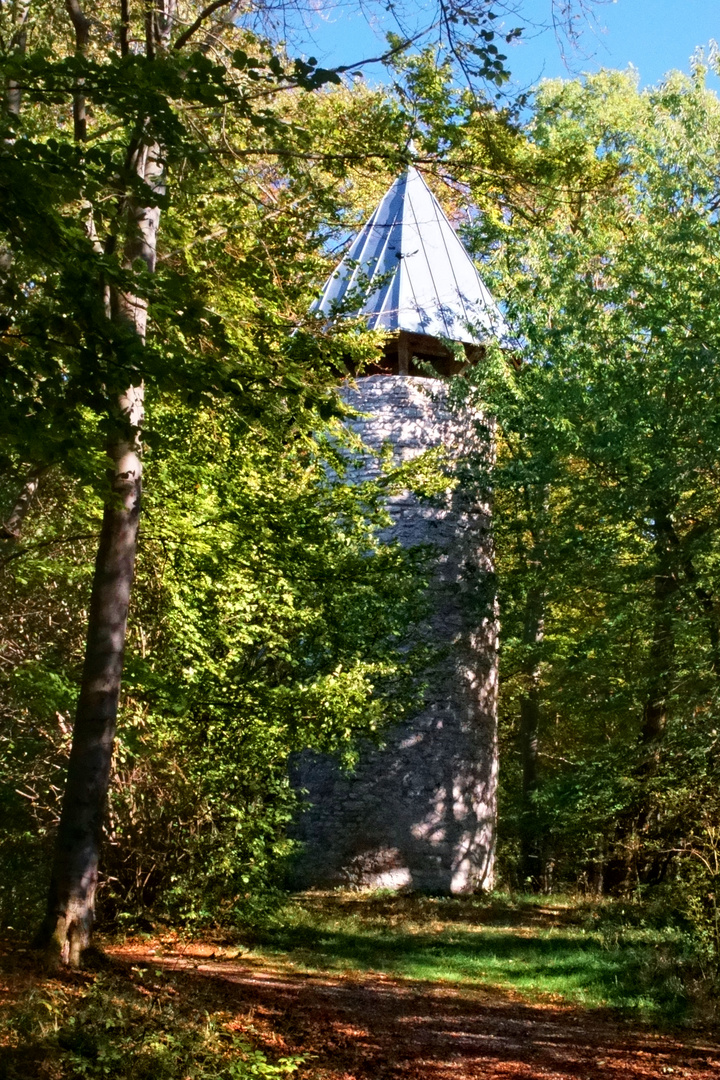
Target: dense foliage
column 267, row 617
column 607, row 495
column 267, row 614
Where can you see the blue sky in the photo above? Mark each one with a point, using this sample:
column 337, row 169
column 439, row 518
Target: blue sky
column 652, row 35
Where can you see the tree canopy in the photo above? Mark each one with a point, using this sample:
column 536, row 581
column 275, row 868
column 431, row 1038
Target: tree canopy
column 606, row 479
column 175, row 189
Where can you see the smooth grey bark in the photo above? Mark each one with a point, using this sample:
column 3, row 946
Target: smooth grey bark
column 19, row 12
column 530, row 707
column 71, row 899
column 11, row 527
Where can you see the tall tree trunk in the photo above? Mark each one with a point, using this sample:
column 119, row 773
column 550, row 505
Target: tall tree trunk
column 530, row 853
column 632, row 862
column 12, row 101
column 71, row 900
column 19, row 11
column 666, row 585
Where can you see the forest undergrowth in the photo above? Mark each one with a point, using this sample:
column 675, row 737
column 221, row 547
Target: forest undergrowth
column 140, row 1011
column 123, row 1020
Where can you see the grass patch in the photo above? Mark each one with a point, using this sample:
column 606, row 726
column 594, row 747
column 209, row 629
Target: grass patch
column 146, row 1020
column 594, row 955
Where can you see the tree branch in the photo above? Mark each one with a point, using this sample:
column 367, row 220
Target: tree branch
column 395, row 51
column 11, row 528
column 194, row 27
column 47, row 543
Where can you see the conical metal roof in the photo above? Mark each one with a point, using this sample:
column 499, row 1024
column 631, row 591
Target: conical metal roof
column 407, row 270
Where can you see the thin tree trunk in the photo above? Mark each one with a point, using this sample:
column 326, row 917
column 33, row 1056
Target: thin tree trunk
column 661, row 650
column 632, row 863
column 12, row 101
column 530, row 854
column 707, row 602
column 626, row 866
column 17, row 43
column 71, row 901
column 11, row 528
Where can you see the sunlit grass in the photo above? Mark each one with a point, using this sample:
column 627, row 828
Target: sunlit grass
column 592, row 955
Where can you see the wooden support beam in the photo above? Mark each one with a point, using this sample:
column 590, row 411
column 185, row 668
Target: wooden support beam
column 404, row 353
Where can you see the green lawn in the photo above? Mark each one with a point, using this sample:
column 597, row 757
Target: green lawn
column 593, row 955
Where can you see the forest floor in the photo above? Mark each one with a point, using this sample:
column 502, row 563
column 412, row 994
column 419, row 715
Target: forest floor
column 346, row 987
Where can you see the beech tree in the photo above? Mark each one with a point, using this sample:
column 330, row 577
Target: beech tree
column 81, row 225
column 610, row 269
column 106, row 111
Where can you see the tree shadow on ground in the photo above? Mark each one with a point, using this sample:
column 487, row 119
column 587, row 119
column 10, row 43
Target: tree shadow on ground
column 145, row 1014
column 634, row 975
column 480, row 910
column 380, row 1028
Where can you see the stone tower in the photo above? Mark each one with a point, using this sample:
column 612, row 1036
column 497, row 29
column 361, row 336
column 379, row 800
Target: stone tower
column 419, row 813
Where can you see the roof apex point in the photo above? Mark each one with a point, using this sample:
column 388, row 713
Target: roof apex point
column 408, row 270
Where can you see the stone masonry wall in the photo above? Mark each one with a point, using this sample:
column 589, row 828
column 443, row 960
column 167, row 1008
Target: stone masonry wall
column 420, row 812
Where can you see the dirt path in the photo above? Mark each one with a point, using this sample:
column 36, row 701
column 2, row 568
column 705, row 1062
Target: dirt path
column 378, row 1028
